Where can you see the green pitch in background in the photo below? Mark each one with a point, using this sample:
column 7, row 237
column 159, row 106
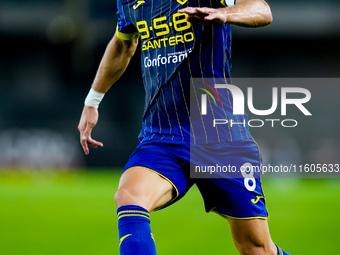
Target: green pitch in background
column 74, row 213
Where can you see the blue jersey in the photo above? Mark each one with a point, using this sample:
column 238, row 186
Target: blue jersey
column 173, row 52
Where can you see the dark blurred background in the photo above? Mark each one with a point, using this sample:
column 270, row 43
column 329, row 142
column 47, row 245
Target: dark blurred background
column 50, row 51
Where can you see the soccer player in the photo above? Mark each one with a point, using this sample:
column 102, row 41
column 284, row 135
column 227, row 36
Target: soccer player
column 182, row 41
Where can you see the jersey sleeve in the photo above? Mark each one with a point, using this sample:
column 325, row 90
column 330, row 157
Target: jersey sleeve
column 126, row 30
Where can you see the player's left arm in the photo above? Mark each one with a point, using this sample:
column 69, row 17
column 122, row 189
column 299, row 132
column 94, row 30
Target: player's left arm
column 247, row 13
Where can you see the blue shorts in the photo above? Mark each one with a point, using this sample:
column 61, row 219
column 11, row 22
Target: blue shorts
column 232, row 196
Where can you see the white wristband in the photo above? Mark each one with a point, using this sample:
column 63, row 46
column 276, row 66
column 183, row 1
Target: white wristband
column 229, row 3
column 93, row 98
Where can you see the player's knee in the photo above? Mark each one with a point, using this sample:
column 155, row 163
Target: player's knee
column 124, row 197
column 255, row 248
column 250, row 248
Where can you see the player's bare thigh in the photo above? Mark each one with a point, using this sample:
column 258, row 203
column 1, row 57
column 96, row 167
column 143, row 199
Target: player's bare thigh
column 252, row 236
column 140, row 186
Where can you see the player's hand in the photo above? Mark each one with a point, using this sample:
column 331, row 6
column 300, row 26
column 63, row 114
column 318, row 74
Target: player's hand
column 205, row 15
column 88, row 120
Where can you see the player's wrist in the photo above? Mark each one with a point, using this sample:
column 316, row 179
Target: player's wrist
column 94, row 98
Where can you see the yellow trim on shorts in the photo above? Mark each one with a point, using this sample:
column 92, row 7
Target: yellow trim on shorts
column 244, row 218
column 238, row 218
column 173, row 185
column 264, row 197
column 126, row 36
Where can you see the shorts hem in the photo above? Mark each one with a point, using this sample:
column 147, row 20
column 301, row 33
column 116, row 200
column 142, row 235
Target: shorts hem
column 239, row 218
